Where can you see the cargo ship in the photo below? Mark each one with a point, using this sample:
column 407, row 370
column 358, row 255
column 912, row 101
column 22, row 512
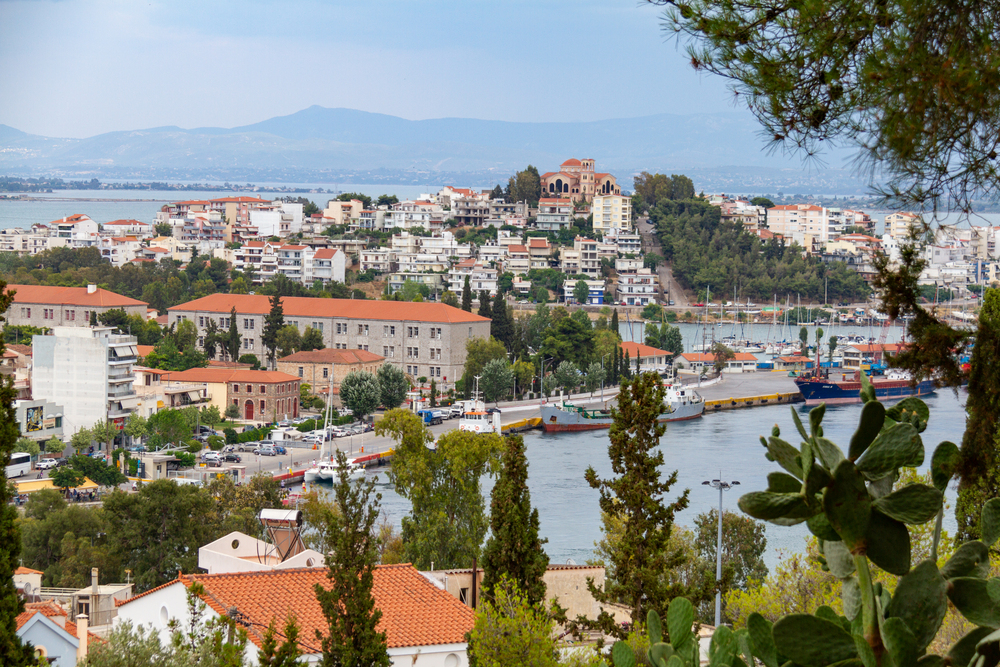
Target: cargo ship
column 681, row 403
column 894, row 386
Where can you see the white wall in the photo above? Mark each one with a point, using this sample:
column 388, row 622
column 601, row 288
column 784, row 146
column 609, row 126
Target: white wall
column 71, row 369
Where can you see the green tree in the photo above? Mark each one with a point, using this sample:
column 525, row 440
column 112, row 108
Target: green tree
column 567, row 376
column 210, row 416
column 502, row 327
column 312, row 339
column 289, row 341
column 449, row 298
column 762, row 201
column 979, row 479
column 273, row 323
column 251, row 359
column 526, row 186
column 568, row 340
column 67, row 478
column 637, row 495
column 804, row 339
column 359, row 390
column 496, row 380
column 239, row 286
column 512, row 629
column 365, row 200
column 478, row 353
column 392, row 385
column 485, row 305
column 467, row 296
column 743, row 545
column 651, row 260
column 283, row 654
column 231, row 341
column 514, row 548
column 524, row 372
column 97, row 470
column 115, row 317
column 27, row 445
column 447, row 521
column 104, row 432
column 594, row 377
column 170, row 426
column 212, row 338
column 155, row 528
column 581, row 291
column 722, row 354
column 54, row 446
column 232, row 411
column 81, row 440
column 352, row 638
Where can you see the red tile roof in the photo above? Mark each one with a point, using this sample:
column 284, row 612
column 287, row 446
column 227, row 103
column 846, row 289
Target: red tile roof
column 642, row 350
column 26, row 570
column 129, row 223
column 241, row 200
column 414, row 611
column 538, row 243
column 220, row 375
column 143, row 350
column 52, row 610
column 398, row 311
column 71, row 296
column 325, row 253
column 71, row 219
column 517, row 248
column 330, row 355
column 572, row 162
column 710, row 358
column 219, row 363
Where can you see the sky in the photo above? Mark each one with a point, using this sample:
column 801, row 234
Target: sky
column 76, row 68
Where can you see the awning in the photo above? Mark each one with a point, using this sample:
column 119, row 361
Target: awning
column 195, row 396
column 32, row 485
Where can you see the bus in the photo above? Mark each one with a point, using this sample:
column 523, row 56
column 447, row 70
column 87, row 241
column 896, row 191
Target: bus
column 20, row 464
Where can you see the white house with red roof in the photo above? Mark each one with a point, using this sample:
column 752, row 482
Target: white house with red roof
column 127, row 228
column 577, row 180
column 423, row 624
column 742, row 362
column 119, row 250
column 481, row 276
column 420, row 213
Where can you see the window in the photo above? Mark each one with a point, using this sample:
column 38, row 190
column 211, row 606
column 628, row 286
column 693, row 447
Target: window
column 326, row 372
column 263, row 390
column 360, row 329
column 201, row 340
column 263, row 406
column 201, row 321
column 470, row 332
column 301, row 371
column 236, row 388
column 246, row 323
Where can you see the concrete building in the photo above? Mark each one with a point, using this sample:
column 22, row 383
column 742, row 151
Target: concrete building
column 260, row 395
column 554, row 214
column 424, row 625
column 481, row 277
column 434, row 333
column 39, row 419
column 638, row 287
column 612, row 214
column 595, row 292
column 340, row 213
column 88, row 372
column 651, row 359
column 742, row 362
column 48, row 306
column 316, row 367
column 898, row 225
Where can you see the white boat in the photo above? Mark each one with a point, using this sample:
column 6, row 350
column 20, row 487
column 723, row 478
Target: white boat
column 329, row 471
column 476, row 418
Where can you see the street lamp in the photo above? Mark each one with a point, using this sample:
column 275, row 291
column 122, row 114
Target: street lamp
column 541, row 384
column 602, row 375
column 721, row 486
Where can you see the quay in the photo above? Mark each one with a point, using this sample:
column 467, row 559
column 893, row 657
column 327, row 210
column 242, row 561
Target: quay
column 748, row 390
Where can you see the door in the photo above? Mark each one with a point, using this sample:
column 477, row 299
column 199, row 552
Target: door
column 248, row 410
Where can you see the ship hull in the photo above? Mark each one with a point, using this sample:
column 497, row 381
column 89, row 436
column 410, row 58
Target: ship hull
column 556, row 419
column 816, row 391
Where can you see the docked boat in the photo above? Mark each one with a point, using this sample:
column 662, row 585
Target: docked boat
column 329, row 471
column 894, row 386
column 681, row 403
column 476, row 418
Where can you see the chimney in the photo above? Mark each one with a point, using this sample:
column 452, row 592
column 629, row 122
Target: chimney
column 93, row 581
column 91, row 289
column 81, row 634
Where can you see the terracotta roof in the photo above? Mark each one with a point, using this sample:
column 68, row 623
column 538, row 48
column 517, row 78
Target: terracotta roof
column 162, row 320
column 396, row 311
column 572, row 162
column 71, row 296
column 517, row 248
column 538, row 243
column 293, row 247
column 129, row 223
column 20, row 349
column 643, row 350
column 219, row 375
column 705, row 357
column 219, row 363
column 156, row 249
column 794, row 359
column 414, row 611
column 143, row 350
column 51, row 610
column 887, row 347
column 71, row 219
column 26, row 570
column 240, row 200
column 331, row 356
column 325, row 253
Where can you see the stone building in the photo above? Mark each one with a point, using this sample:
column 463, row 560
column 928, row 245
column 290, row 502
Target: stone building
column 316, row 367
column 47, row 306
column 260, row 395
column 423, row 339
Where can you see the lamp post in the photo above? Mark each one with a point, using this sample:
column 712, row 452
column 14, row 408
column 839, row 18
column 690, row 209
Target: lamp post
column 721, row 486
column 541, row 385
column 602, row 375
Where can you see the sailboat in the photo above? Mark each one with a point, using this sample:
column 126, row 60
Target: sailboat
column 326, row 469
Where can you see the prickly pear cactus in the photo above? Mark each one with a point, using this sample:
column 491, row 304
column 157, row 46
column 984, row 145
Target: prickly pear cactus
column 849, row 502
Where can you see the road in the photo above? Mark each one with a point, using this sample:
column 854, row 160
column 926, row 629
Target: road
column 670, row 288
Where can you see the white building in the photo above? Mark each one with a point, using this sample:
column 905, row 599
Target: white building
column 638, row 287
column 89, row 371
column 481, row 277
column 554, row 214
column 612, row 214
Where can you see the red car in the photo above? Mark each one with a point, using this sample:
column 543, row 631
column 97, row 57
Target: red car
column 699, row 305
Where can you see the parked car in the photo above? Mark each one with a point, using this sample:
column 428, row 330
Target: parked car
column 205, row 430
column 280, row 449
column 455, row 411
column 60, row 462
column 137, row 448
column 208, row 457
column 265, row 450
column 46, row 464
column 231, row 457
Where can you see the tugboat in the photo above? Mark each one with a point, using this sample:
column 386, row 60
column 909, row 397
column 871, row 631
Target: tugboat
column 681, row 403
column 326, row 469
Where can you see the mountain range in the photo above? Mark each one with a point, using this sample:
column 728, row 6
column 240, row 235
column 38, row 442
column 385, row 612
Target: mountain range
column 319, row 144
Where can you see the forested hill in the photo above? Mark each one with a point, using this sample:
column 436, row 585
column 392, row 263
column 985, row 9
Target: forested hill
column 707, row 251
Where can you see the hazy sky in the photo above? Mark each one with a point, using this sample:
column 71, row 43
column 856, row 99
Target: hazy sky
column 75, row 68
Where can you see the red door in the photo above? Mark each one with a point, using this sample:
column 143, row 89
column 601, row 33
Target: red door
column 248, row 410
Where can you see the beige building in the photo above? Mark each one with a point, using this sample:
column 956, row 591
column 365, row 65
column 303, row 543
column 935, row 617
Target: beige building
column 47, row 306
column 612, row 214
column 423, row 339
column 343, row 212
column 316, row 367
column 577, row 180
column 897, row 225
column 260, row 395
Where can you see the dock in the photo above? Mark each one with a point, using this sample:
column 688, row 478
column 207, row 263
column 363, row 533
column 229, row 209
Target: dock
column 749, row 390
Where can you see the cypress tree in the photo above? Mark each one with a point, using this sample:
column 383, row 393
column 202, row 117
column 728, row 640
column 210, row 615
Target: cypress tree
column 979, row 475
column 614, row 322
column 232, row 340
column 514, row 548
column 638, row 361
column 12, row 651
column 273, row 321
column 467, row 296
column 502, row 328
column 352, row 639
column 626, row 366
column 636, row 495
column 484, row 305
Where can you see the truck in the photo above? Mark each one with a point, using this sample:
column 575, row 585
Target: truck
column 430, row 417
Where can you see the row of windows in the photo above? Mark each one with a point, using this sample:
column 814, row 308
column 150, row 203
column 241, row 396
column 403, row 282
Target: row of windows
column 50, row 314
column 285, row 405
column 432, row 371
column 283, row 388
column 326, row 372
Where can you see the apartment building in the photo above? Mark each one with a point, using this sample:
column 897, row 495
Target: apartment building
column 637, row 287
column 410, row 214
column 119, row 250
column 804, row 224
column 48, row 306
column 424, row 339
column 377, row 259
column 481, row 277
column 595, row 292
column 87, row 371
column 127, row 228
column 299, row 263
column 898, row 225
column 369, row 220
column 278, row 219
column 612, row 214
column 339, row 212
column 434, row 282
column 518, row 259
column 470, row 211
column 238, row 210
column 554, row 214
column 742, row 212
column 540, row 253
